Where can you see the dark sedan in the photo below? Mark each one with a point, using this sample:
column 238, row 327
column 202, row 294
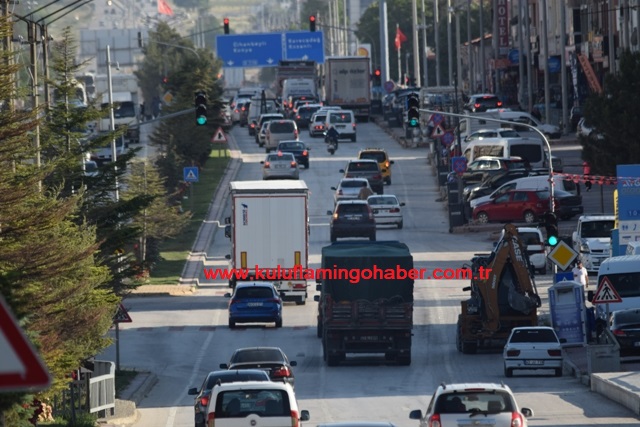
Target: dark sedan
column 568, row 205
column 625, row 325
column 219, row 377
column 298, row 148
column 272, row 360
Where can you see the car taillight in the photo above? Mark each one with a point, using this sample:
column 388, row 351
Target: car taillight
column 516, row 419
column 267, row 165
column 294, row 419
column 476, row 105
column 252, row 125
column 204, row 401
column 513, row 353
column 335, row 215
column 386, row 164
column 619, row 332
column 295, row 132
column 211, row 419
column 340, row 193
column 370, row 213
column 394, row 210
column 298, row 117
column 377, row 176
column 305, row 153
column 554, row 353
column 276, row 300
column 348, row 175
column 282, row 373
column 499, row 103
column 353, row 125
column 293, row 164
column 434, row 420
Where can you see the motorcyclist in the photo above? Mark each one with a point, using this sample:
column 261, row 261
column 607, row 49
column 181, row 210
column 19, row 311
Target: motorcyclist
column 332, row 135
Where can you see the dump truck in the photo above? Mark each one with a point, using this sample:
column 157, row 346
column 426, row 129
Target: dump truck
column 503, row 296
column 360, row 312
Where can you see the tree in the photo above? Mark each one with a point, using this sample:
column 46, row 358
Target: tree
column 48, row 274
column 614, row 115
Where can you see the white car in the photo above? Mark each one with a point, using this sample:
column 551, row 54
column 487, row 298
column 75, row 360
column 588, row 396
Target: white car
column 472, row 404
column 261, row 403
column 280, row 166
column 386, row 209
column 261, row 136
column 536, row 250
column 583, row 129
column 349, row 188
column 532, row 347
column 317, row 124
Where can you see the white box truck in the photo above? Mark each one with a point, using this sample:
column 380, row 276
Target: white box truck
column 347, row 84
column 126, row 97
column 269, row 231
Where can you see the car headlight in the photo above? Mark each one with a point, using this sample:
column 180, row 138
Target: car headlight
column 584, row 247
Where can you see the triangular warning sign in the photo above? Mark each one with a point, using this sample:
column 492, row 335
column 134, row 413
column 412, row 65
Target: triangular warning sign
column 122, row 315
column 606, row 292
column 191, row 176
column 20, row 366
column 437, row 132
column 219, row 136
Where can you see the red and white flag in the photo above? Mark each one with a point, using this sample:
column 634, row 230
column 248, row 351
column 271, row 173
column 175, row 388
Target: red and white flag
column 400, row 38
column 164, row 8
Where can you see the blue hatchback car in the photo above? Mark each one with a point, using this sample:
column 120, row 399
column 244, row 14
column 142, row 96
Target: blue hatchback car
column 255, row 302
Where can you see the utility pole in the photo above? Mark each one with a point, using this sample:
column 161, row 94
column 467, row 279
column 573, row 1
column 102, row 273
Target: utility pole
column 527, row 31
column 520, row 33
column 416, row 42
column 612, row 49
column 436, row 29
column 425, row 47
column 384, row 42
column 458, row 55
column 472, row 84
column 449, row 42
column 112, row 124
column 563, row 68
column 547, row 89
column 483, row 60
column 33, row 47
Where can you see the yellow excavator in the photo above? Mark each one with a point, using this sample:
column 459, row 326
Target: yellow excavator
column 503, row 296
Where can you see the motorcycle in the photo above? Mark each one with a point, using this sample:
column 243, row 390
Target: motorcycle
column 332, row 144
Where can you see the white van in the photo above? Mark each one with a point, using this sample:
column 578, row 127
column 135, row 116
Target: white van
column 298, row 88
column 540, row 182
column 623, row 272
column 529, row 149
column 344, row 121
column 550, row 131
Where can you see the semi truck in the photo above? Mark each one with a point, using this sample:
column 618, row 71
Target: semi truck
column 373, row 314
column 126, row 99
column 347, row 84
column 269, row 232
column 294, row 70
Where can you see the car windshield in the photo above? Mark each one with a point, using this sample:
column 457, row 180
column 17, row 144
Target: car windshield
column 363, row 166
column 529, row 238
column 533, row 335
column 291, row 146
column 320, row 118
column 591, row 229
column 240, row 403
column 350, row 209
column 257, row 355
column 233, row 376
column 281, row 127
column 627, row 317
column 477, row 401
column 340, row 118
column 626, row 284
column 254, row 292
column 382, row 200
column 353, row 184
column 378, row 156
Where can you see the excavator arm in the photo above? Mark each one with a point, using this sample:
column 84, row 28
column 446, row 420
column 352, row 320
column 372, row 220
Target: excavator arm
column 523, row 295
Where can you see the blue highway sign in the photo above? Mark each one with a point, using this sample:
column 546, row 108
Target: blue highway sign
column 249, row 50
column 305, row 45
column 191, row 174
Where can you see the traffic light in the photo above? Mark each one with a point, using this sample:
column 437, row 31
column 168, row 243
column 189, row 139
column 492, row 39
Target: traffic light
column 551, row 226
column 312, row 23
column 413, row 110
column 201, row 108
column 225, row 21
column 377, row 76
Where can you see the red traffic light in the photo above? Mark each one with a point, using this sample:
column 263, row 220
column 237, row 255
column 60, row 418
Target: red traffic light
column 225, row 21
column 312, row 18
column 377, row 73
column 312, row 23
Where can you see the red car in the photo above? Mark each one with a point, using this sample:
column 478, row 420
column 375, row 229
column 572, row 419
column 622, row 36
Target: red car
column 517, row 206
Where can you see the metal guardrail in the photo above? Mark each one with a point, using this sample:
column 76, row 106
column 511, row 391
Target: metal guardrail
column 102, row 387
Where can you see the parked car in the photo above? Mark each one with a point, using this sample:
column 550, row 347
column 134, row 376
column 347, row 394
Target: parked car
column 567, row 205
column 492, row 133
column 203, row 394
column 625, row 325
column 349, row 189
column 298, row 148
column 518, row 206
column 586, row 130
column 379, row 155
column 365, row 168
column 491, row 404
column 317, row 124
column 272, row 360
column 352, row 218
column 254, row 302
column 280, row 166
column 491, row 183
column 250, row 403
column 482, row 102
column 387, row 210
column 486, row 166
column 531, row 348
column 534, row 242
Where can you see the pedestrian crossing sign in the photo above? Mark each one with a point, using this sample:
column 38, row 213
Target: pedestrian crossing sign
column 606, row 293
column 219, row 136
column 191, row 174
column 438, row 131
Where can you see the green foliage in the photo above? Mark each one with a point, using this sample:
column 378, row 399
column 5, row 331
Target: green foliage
column 613, row 114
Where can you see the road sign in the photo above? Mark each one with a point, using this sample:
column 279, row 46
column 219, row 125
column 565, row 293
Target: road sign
column 606, row 293
column 219, row 136
column 447, row 138
column 437, row 118
column 304, row 45
column 249, row 50
column 562, row 255
column 191, row 174
column 20, row 366
column 437, row 132
column 122, row 315
column 564, row 276
column 459, row 165
column 389, row 86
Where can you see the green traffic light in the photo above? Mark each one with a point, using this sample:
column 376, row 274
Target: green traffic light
column 202, row 120
column 553, row 240
column 413, row 122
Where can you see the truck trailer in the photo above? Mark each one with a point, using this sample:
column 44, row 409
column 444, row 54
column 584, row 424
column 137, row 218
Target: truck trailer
column 347, row 84
column 269, row 231
column 373, row 314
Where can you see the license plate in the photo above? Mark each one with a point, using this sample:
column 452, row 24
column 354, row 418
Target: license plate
column 375, row 211
column 281, row 166
column 254, row 304
column 533, row 362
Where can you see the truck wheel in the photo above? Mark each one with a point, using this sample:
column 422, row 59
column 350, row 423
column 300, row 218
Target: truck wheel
column 279, row 323
column 301, row 301
column 469, row 347
column 319, row 330
column 404, row 360
column 508, row 372
column 353, row 138
column 458, row 338
column 558, row 372
column 372, row 237
column 333, row 359
column 232, row 324
column 333, row 238
column 400, row 225
column 232, row 283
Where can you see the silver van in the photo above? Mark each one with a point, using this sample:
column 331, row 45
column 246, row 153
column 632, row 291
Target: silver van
column 280, row 130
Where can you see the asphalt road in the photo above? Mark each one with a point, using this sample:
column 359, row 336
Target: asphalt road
column 182, row 338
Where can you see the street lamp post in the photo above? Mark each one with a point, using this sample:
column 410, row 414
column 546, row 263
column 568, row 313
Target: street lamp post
column 112, row 123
